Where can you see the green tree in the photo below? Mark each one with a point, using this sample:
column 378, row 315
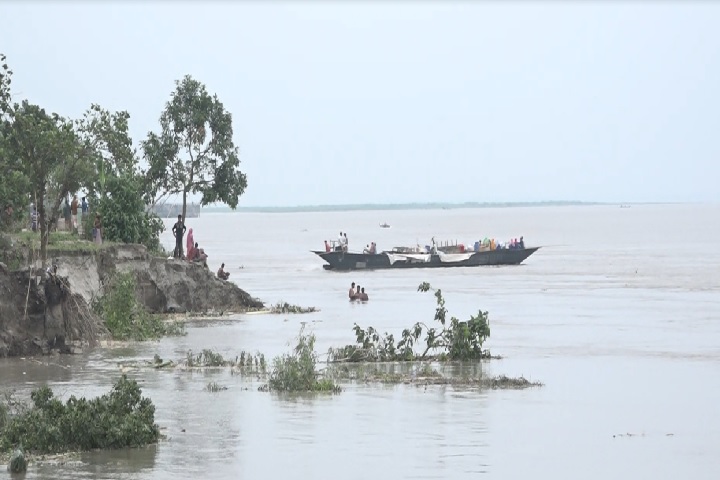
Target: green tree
column 194, row 152
column 116, row 188
column 51, row 158
column 14, row 186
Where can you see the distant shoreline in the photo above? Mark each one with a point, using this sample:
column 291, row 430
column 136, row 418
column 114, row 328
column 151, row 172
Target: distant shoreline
column 413, row 206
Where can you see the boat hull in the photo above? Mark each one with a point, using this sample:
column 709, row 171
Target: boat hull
column 363, row 261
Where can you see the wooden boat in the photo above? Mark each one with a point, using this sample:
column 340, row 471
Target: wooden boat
column 339, row 260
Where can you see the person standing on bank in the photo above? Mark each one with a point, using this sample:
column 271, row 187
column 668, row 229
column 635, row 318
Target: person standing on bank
column 179, row 231
column 74, row 214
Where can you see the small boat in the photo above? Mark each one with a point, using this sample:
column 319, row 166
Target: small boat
column 384, row 225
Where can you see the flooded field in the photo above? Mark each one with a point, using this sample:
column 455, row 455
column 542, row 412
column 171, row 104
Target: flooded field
column 618, row 316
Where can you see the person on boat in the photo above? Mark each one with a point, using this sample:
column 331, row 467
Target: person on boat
column 222, row 274
column 345, row 242
column 373, row 248
column 366, row 249
column 363, row 295
column 434, row 247
column 521, row 243
column 327, row 246
column 351, row 293
column 339, row 247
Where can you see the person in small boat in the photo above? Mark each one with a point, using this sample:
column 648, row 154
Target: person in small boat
column 327, row 246
column 521, row 243
column 351, row 293
column 345, row 242
column 363, row 295
column 367, row 249
column 341, row 240
column 373, row 248
column 222, row 274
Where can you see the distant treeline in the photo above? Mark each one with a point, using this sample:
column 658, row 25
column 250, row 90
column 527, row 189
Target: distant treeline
column 398, row 206
column 172, row 210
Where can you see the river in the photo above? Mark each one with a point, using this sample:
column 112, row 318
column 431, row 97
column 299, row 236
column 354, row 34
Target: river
column 618, row 315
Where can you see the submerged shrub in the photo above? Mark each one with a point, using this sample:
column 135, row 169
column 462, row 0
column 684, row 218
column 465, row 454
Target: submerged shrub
column 284, row 307
column 125, row 317
column 121, row 418
column 296, row 372
column 18, row 462
column 453, row 340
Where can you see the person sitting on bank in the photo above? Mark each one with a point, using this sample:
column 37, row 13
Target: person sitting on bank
column 222, row 274
column 363, row 295
column 351, row 293
column 200, row 255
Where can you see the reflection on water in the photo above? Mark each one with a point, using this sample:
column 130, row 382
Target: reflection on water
column 619, row 317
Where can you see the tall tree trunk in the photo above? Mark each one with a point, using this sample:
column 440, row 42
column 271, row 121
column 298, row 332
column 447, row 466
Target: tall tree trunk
column 184, row 210
column 44, row 227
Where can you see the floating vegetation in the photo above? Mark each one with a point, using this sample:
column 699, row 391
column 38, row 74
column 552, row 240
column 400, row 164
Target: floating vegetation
column 214, row 387
column 425, row 376
column 245, row 362
column 284, row 307
column 297, row 372
column 206, row 358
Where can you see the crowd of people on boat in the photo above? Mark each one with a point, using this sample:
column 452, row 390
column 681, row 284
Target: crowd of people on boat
column 341, row 245
column 492, row 244
column 357, row 293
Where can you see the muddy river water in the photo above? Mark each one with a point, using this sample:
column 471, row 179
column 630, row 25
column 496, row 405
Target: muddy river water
column 619, row 317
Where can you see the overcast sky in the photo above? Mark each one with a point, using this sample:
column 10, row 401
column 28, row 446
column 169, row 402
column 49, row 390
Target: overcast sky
column 376, row 102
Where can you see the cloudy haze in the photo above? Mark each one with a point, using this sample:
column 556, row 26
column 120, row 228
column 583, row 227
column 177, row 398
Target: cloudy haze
column 406, row 102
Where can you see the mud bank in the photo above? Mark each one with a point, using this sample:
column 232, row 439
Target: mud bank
column 40, row 314
column 164, row 285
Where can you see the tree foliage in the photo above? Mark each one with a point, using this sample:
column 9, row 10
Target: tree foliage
column 49, row 156
column 194, row 152
column 115, row 188
column 14, row 186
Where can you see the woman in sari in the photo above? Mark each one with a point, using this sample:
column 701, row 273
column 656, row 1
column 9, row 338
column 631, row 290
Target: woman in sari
column 190, row 250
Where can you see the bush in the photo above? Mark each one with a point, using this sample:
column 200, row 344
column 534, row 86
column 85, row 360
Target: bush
column 296, row 372
column 124, row 215
column 122, row 418
column 125, row 317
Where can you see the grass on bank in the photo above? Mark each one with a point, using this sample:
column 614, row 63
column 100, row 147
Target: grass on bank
column 125, row 317
column 58, row 241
